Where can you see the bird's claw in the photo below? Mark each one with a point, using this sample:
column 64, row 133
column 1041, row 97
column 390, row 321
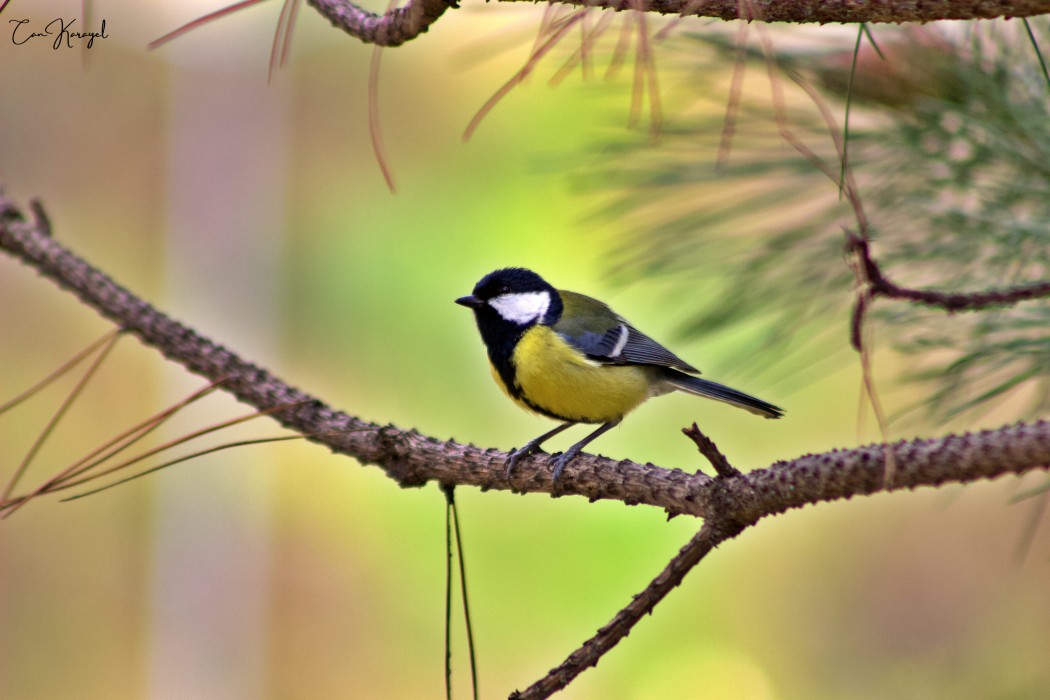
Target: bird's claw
column 516, row 456
column 559, row 463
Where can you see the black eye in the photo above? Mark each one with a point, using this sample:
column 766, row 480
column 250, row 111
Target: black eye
column 503, row 290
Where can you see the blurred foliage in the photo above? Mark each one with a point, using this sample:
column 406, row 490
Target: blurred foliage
column 912, row 595
column 949, row 140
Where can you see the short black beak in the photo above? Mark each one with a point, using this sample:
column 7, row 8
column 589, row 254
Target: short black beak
column 471, row 301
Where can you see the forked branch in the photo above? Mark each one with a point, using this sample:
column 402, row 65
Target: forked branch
column 729, row 504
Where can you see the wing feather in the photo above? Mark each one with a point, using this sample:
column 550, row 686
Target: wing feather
column 605, row 337
column 641, row 349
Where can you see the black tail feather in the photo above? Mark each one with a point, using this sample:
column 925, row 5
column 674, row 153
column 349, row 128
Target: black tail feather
column 720, row 392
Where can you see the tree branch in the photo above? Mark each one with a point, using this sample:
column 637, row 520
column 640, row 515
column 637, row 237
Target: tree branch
column 728, row 503
column 876, row 284
column 413, row 459
column 825, row 11
column 416, row 16
column 408, row 457
column 390, row 29
column 588, row 655
column 880, row 286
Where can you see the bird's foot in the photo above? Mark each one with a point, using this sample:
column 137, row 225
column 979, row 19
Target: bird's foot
column 518, row 455
column 563, row 459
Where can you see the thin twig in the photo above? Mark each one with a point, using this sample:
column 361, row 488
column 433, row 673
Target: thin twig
column 880, row 286
column 641, row 605
column 710, row 450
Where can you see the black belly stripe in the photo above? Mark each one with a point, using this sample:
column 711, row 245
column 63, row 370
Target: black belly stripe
column 507, row 378
column 545, row 412
column 505, row 369
column 501, row 339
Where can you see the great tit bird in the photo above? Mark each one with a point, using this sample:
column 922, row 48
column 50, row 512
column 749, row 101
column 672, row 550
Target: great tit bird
column 571, row 358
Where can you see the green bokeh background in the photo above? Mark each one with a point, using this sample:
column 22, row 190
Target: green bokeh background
column 906, row 596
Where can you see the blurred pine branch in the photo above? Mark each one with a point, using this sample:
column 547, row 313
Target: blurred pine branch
column 950, row 143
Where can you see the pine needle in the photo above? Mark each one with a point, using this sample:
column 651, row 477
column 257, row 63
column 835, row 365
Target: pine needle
column 201, row 21
column 1038, row 53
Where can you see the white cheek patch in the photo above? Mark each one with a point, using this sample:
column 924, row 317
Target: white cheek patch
column 621, row 342
column 522, row 308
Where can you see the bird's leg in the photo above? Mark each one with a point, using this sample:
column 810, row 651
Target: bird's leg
column 570, row 454
column 532, row 446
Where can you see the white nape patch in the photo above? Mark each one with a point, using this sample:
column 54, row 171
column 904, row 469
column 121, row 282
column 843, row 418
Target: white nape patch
column 621, row 342
column 522, row 308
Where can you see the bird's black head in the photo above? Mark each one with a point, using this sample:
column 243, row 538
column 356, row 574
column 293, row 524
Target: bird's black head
column 513, row 296
column 507, row 303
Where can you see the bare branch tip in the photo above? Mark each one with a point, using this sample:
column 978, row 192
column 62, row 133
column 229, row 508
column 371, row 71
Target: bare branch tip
column 710, row 451
column 40, row 217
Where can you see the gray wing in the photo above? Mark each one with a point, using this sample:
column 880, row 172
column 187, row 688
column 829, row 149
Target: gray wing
column 626, row 345
column 604, row 336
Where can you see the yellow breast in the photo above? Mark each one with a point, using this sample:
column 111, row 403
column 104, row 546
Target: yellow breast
column 557, row 379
